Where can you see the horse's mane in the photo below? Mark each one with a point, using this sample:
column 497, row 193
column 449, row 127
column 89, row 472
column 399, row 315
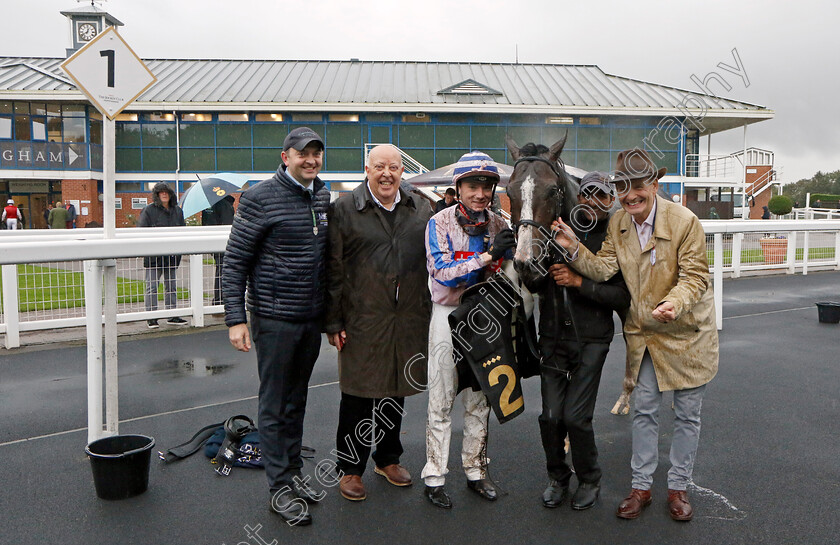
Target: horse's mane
column 532, row 150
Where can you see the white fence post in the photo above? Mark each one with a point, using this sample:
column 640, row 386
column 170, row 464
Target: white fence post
column 10, row 305
column 718, row 280
column 805, row 245
column 93, row 319
column 837, row 250
column 791, row 252
column 737, row 239
column 112, row 402
column 197, row 289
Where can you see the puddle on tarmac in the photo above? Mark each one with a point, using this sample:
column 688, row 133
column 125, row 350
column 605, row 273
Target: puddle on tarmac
column 195, row 367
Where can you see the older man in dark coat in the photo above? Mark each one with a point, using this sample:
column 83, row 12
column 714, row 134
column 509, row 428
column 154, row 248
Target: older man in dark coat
column 378, row 309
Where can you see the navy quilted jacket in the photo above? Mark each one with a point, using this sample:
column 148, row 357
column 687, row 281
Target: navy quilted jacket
column 274, row 248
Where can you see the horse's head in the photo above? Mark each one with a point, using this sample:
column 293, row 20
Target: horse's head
column 540, row 191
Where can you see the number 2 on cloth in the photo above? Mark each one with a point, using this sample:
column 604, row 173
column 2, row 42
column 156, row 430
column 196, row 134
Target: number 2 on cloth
column 505, row 404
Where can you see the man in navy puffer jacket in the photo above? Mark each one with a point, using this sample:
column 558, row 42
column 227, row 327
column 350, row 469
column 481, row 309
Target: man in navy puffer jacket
column 276, row 247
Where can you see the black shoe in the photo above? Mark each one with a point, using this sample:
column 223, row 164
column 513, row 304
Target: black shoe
column 438, row 496
column 554, row 494
column 290, row 508
column 585, row 496
column 307, row 493
column 176, row 321
column 152, row 324
column 484, row 488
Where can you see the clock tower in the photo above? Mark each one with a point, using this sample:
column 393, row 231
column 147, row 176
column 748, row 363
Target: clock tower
column 87, row 22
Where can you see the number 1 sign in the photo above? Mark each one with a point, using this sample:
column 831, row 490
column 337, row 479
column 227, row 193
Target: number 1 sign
column 109, row 73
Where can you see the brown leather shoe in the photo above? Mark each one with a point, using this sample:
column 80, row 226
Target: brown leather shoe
column 396, row 474
column 631, row 507
column 352, row 488
column 679, row 506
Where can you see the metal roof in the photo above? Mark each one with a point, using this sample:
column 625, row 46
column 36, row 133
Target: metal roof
column 385, row 86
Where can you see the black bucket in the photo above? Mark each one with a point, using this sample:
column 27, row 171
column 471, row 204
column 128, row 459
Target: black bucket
column 120, row 465
column 829, row 312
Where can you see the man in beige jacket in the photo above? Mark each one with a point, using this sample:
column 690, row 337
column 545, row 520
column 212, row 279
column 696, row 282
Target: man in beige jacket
column 672, row 341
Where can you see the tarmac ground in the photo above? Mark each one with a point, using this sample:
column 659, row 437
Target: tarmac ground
column 767, row 470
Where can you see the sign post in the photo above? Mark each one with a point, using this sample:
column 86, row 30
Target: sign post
column 112, row 76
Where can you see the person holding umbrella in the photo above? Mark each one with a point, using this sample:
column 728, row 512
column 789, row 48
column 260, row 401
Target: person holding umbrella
column 163, row 212
column 221, row 213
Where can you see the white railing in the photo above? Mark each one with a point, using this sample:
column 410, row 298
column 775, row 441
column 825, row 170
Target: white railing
column 411, row 165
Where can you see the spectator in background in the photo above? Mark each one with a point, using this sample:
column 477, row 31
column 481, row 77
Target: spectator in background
column 47, row 211
column 220, row 213
column 163, row 212
column 71, row 215
column 58, row 217
column 713, row 213
column 766, row 214
column 447, row 200
column 12, row 217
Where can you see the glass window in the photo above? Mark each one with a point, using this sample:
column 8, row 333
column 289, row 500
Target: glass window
column 158, row 116
column 159, row 159
column 198, row 159
column 96, row 132
column 126, row 117
column 266, row 159
column 5, row 107
column 53, row 109
column 234, row 135
column 54, row 129
column 497, row 155
column 629, row 121
column 227, row 117
column 487, row 137
column 379, row 118
column 21, row 107
column 593, row 138
column 452, row 136
column 38, row 108
column 670, row 161
column 658, row 141
column 344, row 160
column 128, row 187
column 344, row 136
column 126, row 134
column 425, row 157
column 590, row 120
column 269, row 136
column 94, row 114
column 380, row 135
column 74, row 129
column 417, row 118
column 317, row 127
column 594, row 160
column 233, row 159
column 307, row 117
column 269, row 118
column 490, row 119
column 623, row 139
column 560, row 120
column 452, row 118
column 524, row 135
column 343, row 117
column 127, row 160
column 22, row 129
column 73, row 110
column 5, row 127
column 417, row 137
column 197, row 135
column 200, row 118
column 555, row 133
column 162, row 134
column 445, row 157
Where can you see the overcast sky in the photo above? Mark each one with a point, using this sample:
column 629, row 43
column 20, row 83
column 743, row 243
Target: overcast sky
column 788, row 49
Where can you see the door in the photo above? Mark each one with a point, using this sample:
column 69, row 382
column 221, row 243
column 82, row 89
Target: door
column 23, row 205
column 37, row 204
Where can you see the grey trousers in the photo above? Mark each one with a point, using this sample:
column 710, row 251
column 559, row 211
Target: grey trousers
column 153, row 275
column 687, row 405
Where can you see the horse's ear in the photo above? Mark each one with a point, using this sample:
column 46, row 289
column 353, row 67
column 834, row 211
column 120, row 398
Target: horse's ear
column 557, row 148
column 513, row 147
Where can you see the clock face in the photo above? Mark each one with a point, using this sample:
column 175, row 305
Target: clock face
column 87, row 31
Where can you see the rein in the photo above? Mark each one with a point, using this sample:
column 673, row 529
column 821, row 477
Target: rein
column 560, row 174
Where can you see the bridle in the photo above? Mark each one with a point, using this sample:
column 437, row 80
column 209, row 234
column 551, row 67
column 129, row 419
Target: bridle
column 558, row 188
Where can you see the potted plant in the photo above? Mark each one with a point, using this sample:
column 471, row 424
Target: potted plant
column 774, row 247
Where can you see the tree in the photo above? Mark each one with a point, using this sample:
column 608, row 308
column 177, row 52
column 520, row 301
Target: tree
column 821, row 182
column 780, row 205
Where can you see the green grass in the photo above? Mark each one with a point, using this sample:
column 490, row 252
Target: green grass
column 44, row 288
column 756, row 256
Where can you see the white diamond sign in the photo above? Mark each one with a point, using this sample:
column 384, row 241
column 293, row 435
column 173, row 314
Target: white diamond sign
column 109, row 73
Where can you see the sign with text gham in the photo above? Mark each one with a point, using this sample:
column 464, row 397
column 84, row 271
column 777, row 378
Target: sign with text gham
column 109, row 73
